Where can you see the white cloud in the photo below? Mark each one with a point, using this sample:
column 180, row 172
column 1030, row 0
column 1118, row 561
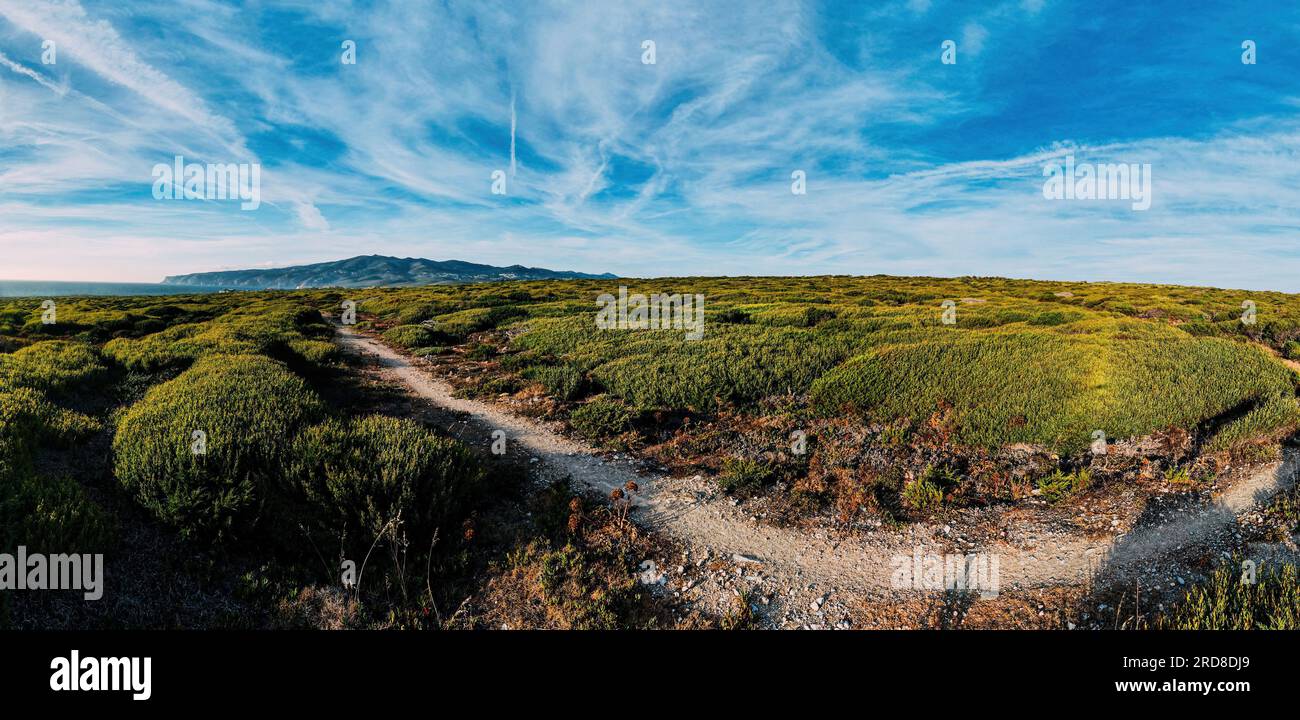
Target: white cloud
column 98, row 46
column 738, row 98
column 310, row 217
column 973, row 36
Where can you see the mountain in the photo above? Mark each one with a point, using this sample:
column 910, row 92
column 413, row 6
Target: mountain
column 371, row 271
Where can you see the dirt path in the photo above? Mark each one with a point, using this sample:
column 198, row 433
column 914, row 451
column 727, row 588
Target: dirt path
column 691, row 510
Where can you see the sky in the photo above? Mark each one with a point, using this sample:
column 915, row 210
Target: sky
column 681, row 166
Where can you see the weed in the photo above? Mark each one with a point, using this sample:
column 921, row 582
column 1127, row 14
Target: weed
column 744, row 476
column 925, row 493
column 1060, row 485
column 1228, row 602
column 601, row 417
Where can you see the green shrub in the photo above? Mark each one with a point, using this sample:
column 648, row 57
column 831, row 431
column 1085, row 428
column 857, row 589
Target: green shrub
column 601, row 417
column 256, row 327
column 315, row 352
column 418, row 313
column 55, row 366
column 506, row 384
column 175, row 346
column 1226, row 602
column 922, row 495
column 1055, row 317
column 28, row 419
column 741, row 475
column 1060, row 485
column 925, row 493
column 561, row 381
column 367, row 472
column 250, row 408
column 573, row 585
column 43, row 513
column 51, row 515
column 1275, row 412
column 793, row 316
column 1053, row 389
column 463, row 323
column 733, row 316
column 410, row 336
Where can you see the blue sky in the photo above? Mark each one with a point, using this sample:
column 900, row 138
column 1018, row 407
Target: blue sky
column 682, row 167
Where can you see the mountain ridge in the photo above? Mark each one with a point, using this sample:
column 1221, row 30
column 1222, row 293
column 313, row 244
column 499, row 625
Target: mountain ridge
column 372, row 271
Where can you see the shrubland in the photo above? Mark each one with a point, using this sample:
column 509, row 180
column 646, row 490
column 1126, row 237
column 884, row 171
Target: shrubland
column 1015, row 366
column 210, row 409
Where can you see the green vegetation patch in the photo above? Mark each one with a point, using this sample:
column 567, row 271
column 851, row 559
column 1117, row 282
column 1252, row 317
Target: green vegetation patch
column 56, row 366
column 1271, row 414
column 601, row 417
column 280, row 328
column 411, row 336
column 1229, row 601
column 1052, row 388
column 249, row 408
column 379, row 470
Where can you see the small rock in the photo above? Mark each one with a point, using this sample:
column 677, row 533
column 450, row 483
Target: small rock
column 650, row 574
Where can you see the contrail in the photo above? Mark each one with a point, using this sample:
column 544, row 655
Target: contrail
column 512, row 133
column 23, row 70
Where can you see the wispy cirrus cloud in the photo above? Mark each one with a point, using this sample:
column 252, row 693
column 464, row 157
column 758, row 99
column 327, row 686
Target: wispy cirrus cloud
column 680, row 167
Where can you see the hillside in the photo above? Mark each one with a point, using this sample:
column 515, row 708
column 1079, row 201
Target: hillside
column 371, row 271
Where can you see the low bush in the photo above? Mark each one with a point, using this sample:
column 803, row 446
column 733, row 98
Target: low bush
column 462, row 324
column 1060, row 485
column 925, row 493
column 54, row 366
column 43, row 513
column 315, row 352
column 601, row 417
column 250, row 408
column 28, row 419
column 1055, row 317
column 368, row 472
column 1054, row 389
column 266, row 327
column 1278, row 411
column 50, row 515
column 1178, row 476
column 745, row 476
column 410, row 336
column 561, row 381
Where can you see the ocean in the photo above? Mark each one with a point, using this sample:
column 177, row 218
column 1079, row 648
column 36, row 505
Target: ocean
column 47, row 289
